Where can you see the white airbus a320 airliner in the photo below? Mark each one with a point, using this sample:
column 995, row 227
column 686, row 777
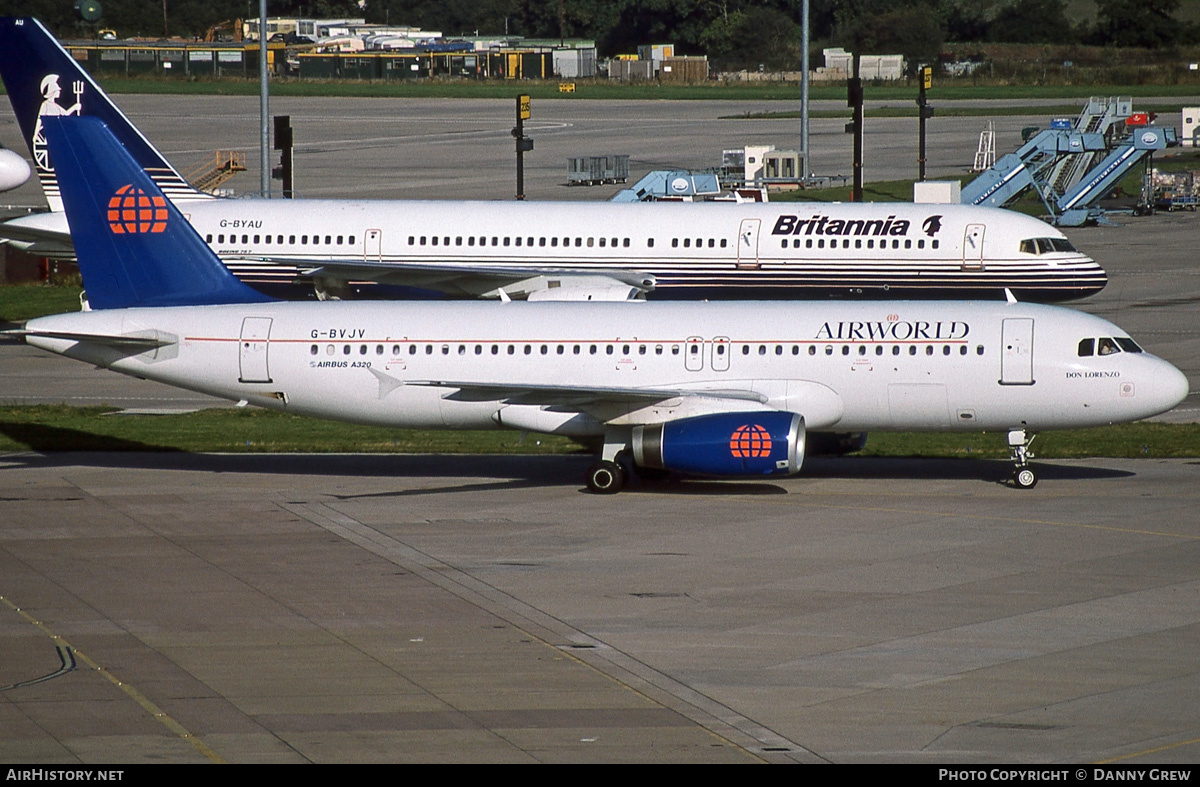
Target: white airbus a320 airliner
column 718, row 389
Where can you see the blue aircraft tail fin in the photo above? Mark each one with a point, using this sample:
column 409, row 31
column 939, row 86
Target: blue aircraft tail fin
column 134, row 247
column 43, row 80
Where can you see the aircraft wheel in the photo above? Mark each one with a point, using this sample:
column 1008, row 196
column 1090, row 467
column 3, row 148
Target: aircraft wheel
column 1025, row 478
column 606, row 478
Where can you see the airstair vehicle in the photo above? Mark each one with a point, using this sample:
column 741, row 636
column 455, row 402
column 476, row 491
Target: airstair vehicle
column 1071, row 166
column 985, row 156
column 208, row 175
column 1104, row 116
column 670, row 184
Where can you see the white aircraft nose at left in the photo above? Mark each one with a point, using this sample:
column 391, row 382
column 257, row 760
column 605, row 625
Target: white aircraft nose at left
column 14, row 170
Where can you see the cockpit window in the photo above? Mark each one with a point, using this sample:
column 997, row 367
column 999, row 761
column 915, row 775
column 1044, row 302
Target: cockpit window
column 1128, row 345
column 1106, row 345
column 1045, row 245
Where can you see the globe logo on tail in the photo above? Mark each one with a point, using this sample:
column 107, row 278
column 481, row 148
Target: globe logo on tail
column 749, row 442
column 132, row 212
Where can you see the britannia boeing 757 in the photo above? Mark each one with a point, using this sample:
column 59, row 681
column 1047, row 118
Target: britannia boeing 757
column 555, row 251
column 714, row 389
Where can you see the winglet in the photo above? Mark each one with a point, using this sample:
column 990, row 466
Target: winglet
column 134, row 247
column 1008, row 296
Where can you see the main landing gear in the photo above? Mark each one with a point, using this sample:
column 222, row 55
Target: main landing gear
column 606, row 477
column 1023, row 476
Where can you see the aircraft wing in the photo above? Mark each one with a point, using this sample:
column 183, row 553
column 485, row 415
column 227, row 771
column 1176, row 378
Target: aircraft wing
column 484, row 281
column 579, row 396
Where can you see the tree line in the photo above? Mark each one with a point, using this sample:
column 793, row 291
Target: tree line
column 735, row 34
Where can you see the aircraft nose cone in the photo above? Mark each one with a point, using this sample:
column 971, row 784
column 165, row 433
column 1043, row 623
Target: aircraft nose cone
column 1170, row 387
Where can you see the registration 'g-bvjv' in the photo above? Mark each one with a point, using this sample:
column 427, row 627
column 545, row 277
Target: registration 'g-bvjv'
column 717, row 389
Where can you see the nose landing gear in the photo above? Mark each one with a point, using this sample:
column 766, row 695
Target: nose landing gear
column 1023, row 476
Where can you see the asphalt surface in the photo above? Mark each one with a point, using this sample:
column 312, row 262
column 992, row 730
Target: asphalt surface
column 178, row 608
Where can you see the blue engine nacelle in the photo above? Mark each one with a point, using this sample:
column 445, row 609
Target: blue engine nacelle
column 724, row 444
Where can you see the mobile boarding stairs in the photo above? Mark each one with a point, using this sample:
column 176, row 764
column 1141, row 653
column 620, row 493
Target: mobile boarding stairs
column 1038, row 164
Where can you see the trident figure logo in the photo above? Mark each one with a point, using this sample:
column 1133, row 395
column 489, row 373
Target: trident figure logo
column 50, row 106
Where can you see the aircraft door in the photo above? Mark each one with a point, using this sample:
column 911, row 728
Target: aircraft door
column 373, row 245
column 747, row 243
column 973, row 248
column 255, row 342
column 693, row 354
column 1016, row 352
column 720, row 354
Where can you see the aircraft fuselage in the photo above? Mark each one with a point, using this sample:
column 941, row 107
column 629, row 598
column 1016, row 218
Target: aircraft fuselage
column 845, row 367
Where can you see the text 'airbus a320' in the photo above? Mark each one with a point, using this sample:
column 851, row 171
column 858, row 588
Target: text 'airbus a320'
column 716, row 389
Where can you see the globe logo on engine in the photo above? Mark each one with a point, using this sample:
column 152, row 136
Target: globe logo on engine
column 131, row 211
column 750, row 442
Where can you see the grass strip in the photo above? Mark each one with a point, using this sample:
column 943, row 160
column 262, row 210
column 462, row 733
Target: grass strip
column 1159, row 106
column 632, row 91
column 48, row 428
column 20, row 302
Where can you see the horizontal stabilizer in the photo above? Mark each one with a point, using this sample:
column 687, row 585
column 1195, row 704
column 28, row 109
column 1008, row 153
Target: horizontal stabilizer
column 148, row 340
column 37, row 228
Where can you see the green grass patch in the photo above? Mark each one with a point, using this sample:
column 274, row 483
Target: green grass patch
column 21, row 302
column 498, row 89
column 993, row 109
column 903, row 91
column 238, row 430
column 227, row 430
column 1123, row 441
